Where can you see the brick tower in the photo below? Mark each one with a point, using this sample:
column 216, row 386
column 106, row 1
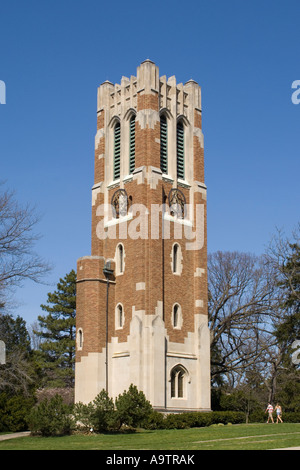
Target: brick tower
column 142, row 294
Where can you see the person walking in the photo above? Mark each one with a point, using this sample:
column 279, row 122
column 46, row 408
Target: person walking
column 278, row 413
column 270, row 410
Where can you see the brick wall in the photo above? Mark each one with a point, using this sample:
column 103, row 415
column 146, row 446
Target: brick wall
column 147, row 262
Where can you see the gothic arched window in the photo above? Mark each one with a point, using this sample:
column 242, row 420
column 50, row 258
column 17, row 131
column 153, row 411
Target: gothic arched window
column 79, row 339
column 176, row 317
column 119, row 317
column 178, row 382
column 120, row 259
column 175, row 258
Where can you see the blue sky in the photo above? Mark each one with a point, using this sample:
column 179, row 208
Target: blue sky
column 244, row 55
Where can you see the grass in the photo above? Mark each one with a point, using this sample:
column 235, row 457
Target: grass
column 234, row 437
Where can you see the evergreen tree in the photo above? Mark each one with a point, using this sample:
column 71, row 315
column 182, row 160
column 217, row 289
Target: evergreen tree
column 14, row 332
column 289, row 329
column 132, row 407
column 57, row 349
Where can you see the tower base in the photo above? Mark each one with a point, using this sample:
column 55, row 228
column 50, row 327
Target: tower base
column 173, row 376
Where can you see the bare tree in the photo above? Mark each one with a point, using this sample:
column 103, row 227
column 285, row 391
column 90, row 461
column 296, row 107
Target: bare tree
column 272, row 371
column 17, row 374
column 283, row 258
column 35, row 338
column 18, row 261
column 242, row 308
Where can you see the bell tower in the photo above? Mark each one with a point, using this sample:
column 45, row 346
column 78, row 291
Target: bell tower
column 142, row 294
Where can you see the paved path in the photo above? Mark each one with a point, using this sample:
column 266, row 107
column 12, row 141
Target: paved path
column 4, row 437
column 288, row 448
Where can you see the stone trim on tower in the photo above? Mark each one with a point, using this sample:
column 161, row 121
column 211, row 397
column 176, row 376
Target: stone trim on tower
column 153, row 330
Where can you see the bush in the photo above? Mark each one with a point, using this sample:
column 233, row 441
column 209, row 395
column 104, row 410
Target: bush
column 258, row 416
column 14, row 412
column 99, row 415
column 261, row 417
column 83, row 416
column 193, row 419
column 132, row 408
column 200, row 419
column 155, row 420
column 176, row 421
column 225, row 417
column 104, row 416
column 51, row 418
column 289, row 417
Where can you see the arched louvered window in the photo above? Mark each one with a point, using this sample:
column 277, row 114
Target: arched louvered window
column 180, row 150
column 163, row 144
column 132, row 145
column 117, row 150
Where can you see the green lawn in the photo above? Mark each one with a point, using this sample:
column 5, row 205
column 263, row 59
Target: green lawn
column 235, row 437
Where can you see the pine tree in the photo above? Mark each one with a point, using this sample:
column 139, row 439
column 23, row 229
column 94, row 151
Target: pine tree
column 57, row 349
column 289, row 329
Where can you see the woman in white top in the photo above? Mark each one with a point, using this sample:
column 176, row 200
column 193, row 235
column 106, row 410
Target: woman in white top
column 278, row 413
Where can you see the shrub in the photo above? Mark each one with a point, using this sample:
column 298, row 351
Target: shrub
column 132, row 407
column 14, row 412
column 51, row 418
column 261, row 417
column 289, row 417
column 200, row 419
column 155, row 420
column 258, row 416
column 175, row 421
column 83, row 416
column 104, row 416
